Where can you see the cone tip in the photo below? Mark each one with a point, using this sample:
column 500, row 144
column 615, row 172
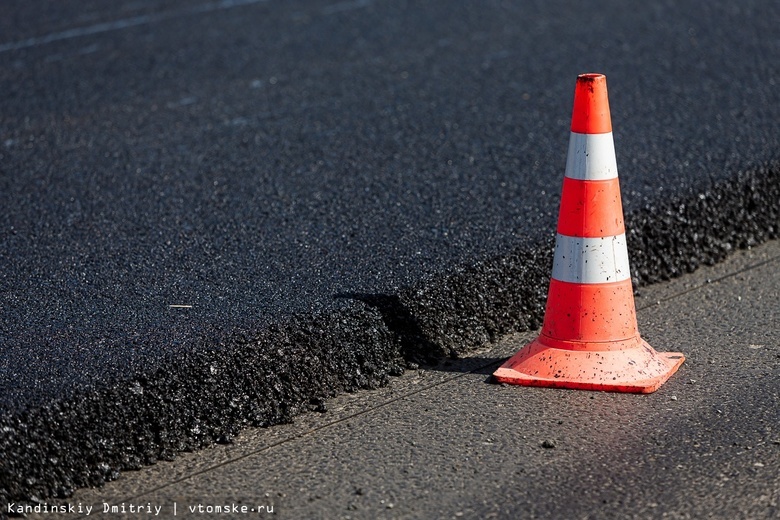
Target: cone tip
column 591, row 76
column 591, row 105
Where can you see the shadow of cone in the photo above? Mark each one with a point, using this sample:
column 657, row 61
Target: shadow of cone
column 590, row 339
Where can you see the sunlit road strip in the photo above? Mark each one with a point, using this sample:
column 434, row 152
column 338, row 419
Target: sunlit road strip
column 124, row 24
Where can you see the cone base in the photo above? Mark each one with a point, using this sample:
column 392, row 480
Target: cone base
column 634, row 368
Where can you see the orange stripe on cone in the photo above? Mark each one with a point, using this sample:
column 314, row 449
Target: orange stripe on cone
column 590, row 339
column 591, row 315
column 590, row 208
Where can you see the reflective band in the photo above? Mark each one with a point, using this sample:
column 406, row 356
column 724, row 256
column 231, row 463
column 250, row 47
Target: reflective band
column 591, row 260
column 591, row 157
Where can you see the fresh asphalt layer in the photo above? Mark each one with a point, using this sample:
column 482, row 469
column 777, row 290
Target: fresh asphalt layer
column 443, row 442
column 218, row 214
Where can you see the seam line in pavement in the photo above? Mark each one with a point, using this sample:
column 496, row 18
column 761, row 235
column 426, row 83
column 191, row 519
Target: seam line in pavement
column 709, row 282
column 147, row 19
column 124, row 23
column 306, row 433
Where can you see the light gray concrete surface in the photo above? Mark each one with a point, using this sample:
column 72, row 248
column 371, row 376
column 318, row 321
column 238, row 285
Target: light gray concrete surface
column 444, row 443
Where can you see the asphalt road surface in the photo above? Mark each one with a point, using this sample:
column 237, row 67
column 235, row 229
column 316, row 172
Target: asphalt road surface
column 218, row 214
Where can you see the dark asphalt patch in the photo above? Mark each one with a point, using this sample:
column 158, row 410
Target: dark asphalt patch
column 361, row 188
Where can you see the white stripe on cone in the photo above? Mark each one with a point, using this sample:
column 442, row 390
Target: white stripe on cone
column 591, row 260
column 591, row 157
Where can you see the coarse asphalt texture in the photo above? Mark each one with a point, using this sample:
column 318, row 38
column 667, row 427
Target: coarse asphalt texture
column 219, row 214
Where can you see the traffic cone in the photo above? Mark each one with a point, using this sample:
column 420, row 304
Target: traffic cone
column 590, row 339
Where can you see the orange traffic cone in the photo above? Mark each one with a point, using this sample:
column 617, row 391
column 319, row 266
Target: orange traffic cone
column 590, row 339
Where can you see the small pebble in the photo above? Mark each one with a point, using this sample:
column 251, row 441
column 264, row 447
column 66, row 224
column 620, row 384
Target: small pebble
column 548, row 444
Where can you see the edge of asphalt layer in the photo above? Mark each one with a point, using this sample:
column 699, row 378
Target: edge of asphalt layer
column 267, row 377
column 402, row 451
